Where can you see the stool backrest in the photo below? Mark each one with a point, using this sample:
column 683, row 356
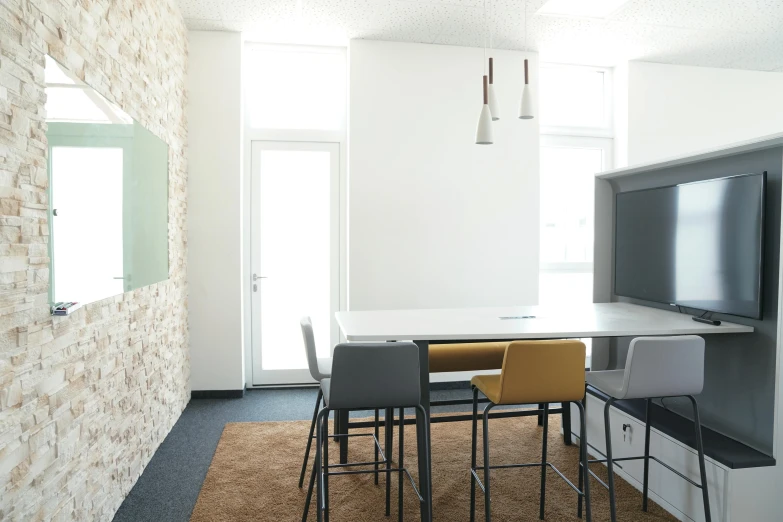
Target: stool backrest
column 543, row 371
column 309, row 342
column 664, row 366
column 375, row 375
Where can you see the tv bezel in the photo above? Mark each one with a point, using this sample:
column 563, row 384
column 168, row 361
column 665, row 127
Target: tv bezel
column 760, row 308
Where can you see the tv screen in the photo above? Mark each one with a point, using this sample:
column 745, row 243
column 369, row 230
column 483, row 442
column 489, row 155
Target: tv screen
column 697, row 245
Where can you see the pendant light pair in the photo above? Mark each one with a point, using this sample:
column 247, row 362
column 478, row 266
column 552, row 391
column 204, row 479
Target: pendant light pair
column 490, row 110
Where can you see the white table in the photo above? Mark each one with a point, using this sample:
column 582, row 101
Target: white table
column 516, row 322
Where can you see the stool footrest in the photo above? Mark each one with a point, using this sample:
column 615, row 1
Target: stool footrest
column 390, row 470
column 526, row 465
column 659, row 461
column 377, row 445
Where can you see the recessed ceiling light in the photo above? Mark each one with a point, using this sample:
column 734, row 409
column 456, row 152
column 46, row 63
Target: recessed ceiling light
column 586, row 8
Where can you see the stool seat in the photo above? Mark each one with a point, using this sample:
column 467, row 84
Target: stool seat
column 610, row 382
column 656, row 367
column 465, row 357
column 489, row 385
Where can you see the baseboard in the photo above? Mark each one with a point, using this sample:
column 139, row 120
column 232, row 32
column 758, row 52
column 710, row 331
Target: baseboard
column 217, row 394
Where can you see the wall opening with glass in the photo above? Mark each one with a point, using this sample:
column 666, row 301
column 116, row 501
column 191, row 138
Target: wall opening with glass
column 108, row 195
column 296, row 127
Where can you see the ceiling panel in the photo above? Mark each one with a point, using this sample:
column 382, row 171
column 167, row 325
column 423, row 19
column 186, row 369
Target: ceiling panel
column 728, row 15
column 715, row 33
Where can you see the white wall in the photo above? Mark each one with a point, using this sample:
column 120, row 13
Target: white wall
column 675, row 109
column 434, row 219
column 215, row 211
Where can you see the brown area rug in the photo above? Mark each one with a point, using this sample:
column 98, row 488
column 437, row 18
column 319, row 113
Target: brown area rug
column 255, row 471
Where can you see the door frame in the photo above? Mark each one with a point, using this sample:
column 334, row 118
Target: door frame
column 287, row 136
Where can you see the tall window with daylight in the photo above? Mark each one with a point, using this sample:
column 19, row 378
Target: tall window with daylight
column 576, row 143
column 295, row 103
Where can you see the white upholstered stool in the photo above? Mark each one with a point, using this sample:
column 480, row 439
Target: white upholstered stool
column 656, row 367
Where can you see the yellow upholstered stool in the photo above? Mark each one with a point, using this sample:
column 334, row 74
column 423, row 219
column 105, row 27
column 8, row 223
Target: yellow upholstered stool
column 533, row 372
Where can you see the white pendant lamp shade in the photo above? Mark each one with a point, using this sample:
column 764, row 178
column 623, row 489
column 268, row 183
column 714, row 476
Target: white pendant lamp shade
column 484, row 130
column 526, row 104
column 494, row 107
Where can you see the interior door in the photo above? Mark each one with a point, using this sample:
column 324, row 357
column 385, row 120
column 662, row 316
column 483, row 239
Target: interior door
column 295, row 245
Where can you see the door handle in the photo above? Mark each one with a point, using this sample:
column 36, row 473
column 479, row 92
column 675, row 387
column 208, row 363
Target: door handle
column 256, row 277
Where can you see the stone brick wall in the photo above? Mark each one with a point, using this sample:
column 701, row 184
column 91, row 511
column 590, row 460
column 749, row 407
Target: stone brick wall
column 85, row 400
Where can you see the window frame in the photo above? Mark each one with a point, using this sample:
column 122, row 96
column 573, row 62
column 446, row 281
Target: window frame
column 606, row 145
column 606, row 130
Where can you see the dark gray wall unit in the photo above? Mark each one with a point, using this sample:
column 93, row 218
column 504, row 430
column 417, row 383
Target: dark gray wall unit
column 739, row 390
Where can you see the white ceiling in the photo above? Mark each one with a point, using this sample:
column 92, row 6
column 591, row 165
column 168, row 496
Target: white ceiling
column 741, row 34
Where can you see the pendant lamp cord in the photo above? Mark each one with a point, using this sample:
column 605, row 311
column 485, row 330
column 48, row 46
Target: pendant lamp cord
column 525, row 20
column 485, row 36
column 491, row 24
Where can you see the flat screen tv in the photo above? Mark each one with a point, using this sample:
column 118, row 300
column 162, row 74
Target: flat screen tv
column 697, row 245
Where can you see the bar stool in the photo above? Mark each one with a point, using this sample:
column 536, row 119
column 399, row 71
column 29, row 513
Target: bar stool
column 320, row 369
column 367, row 376
column 533, row 372
column 656, row 367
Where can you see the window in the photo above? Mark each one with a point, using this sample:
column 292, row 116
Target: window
column 576, row 144
column 295, row 87
column 575, row 100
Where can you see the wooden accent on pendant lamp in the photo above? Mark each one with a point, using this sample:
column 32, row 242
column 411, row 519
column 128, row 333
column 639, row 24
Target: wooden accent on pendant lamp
column 484, row 129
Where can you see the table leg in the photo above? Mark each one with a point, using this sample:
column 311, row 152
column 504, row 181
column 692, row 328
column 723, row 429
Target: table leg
column 341, row 428
column 566, row 422
column 423, row 433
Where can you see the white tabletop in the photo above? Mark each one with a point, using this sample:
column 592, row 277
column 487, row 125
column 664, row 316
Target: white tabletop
column 567, row 321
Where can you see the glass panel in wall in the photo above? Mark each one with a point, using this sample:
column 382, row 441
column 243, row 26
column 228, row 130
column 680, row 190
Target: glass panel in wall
column 290, row 87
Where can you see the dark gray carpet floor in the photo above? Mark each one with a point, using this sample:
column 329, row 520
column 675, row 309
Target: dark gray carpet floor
column 169, row 486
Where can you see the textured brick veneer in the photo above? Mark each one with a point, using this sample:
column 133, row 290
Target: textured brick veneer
column 85, row 400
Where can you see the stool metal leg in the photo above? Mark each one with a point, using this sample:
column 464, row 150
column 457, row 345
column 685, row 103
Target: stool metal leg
column 582, row 435
column 325, row 468
column 389, row 420
column 377, row 422
column 542, row 502
column 646, row 482
column 609, row 463
column 702, row 471
column 309, row 496
column 487, row 504
column 584, row 475
column 473, row 456
column 319, row 443
column 401, row 465
column 310, row 437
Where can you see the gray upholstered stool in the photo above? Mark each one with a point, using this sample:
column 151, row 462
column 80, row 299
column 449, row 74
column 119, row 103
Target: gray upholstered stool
column 369, row 376
column 320, row 369
column 656, row 367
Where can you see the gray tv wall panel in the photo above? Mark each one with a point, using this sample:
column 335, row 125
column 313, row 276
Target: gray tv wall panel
column 740, row 370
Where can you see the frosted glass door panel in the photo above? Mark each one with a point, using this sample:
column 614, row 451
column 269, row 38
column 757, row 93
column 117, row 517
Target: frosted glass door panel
column 295, row 242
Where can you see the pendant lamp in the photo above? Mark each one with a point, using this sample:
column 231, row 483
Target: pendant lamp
column 484, row 130
column 526, row 104
column 494, row 107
